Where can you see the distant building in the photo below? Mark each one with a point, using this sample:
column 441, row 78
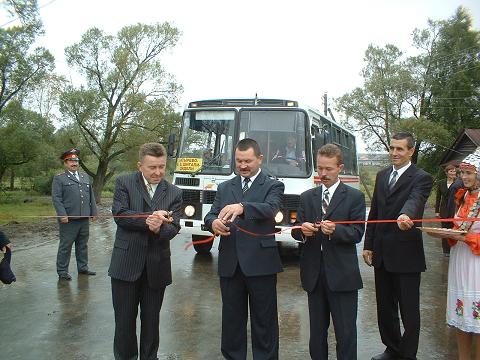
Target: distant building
column 373, row 159
column 466, row 143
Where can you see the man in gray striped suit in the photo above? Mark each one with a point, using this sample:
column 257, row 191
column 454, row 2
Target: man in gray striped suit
column 147, row 212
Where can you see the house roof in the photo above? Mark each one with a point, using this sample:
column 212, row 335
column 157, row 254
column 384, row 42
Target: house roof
column 466, row 143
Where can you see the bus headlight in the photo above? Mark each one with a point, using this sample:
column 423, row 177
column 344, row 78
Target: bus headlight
column 189, row 210
column 279, row 217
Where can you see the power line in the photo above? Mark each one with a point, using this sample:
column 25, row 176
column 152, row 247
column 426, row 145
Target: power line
column 17, row 18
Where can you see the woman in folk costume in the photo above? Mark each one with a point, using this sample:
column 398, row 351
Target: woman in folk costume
column 463, row 302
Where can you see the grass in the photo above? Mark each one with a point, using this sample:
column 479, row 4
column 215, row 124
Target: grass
column 28, row 212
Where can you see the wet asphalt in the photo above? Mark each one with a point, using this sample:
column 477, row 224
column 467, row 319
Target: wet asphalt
column 42, row 318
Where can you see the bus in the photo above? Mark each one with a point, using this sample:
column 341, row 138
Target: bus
column 289, row 136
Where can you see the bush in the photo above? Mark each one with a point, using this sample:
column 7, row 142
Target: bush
column 42, row 184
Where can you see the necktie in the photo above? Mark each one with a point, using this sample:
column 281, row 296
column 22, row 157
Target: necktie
column 393, row 180
column 150, row 190
column 325, row 201
column 245, row 184
column 76, row 175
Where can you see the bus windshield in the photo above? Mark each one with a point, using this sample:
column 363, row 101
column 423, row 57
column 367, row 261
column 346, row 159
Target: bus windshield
column 281, row 135
column 206, row 145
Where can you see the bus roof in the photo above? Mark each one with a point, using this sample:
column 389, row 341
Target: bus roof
column 243, row 103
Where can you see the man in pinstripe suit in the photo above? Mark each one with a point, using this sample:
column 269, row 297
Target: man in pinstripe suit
column 147, row 210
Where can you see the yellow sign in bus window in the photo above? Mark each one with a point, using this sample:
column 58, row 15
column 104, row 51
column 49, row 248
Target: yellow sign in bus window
column 189, row 164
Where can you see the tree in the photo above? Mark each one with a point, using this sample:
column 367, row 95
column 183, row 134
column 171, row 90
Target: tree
column 20, row 67
column 124, row 80
column 24, row 135
column 433, row 94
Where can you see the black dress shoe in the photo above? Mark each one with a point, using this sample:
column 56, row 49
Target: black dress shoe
column 87, row 272
column 384, row 356
column 64, row 277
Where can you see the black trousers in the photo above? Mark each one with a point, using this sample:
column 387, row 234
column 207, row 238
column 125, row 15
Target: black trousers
column 394, row 292
column 342, row 305
column 126, row 297
column 260, row 293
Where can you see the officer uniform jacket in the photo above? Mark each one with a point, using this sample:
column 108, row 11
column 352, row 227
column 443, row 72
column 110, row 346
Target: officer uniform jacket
column 72, row 197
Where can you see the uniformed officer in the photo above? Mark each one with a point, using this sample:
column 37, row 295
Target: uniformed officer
column 74, row 203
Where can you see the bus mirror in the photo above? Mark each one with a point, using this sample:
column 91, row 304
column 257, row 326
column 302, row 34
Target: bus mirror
column 171, row 145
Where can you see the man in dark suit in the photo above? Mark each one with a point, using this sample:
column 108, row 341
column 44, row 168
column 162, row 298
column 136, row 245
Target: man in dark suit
column 329, row 265
column 74, row 202
column 147, row 212
column 396, row 249
column 248, row 265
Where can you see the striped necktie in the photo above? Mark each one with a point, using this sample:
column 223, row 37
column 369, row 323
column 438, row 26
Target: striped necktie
column 245, row 184
column 393, row 180
column 150, row 190
column 325, row 202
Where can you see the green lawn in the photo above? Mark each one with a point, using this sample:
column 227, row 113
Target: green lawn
column 30, row 211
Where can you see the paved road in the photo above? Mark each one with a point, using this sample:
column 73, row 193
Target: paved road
column 42, row 318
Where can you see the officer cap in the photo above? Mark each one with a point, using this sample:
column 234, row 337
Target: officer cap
column 71, row 154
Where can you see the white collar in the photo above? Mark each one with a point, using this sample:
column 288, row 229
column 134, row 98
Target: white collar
column 331, row 189
column 252, row 178
column 401, row 170
column 147, row 184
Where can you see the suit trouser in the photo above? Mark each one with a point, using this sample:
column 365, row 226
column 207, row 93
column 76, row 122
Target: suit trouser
column 396, row 291
column 260, row 292
column 75, row 231
column 126, row 297
column 342, row 305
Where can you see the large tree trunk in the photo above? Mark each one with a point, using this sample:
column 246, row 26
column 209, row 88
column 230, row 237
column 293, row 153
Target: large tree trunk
column 99, row 180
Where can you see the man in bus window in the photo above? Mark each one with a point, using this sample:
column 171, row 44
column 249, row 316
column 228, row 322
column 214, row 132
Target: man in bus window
column 248, row 265
column 289, row 153
column 329, row 268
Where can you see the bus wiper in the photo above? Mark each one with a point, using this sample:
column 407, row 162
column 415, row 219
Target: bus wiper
column 269, row 172
column 208, row 163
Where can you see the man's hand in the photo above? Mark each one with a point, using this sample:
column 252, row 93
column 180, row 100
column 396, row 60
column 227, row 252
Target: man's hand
column 309, row 229
column 230, row 212
column 154, row 222
column 368, row 257
column 94, row 218
column 219, row 227
column 165, row 216
column 327, row 227
column 64, row 219
column 4, row 249
column 404, row 222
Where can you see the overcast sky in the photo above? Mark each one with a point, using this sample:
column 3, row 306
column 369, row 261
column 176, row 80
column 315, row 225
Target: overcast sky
column 278, row 49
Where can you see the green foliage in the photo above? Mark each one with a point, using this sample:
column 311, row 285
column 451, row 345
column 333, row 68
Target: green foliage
column 20, row 66
column 434, row 94
column 42, row 184
column 128, row 97
column 25, row 136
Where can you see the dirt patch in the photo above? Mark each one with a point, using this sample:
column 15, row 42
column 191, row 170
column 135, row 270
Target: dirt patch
column 27, row 235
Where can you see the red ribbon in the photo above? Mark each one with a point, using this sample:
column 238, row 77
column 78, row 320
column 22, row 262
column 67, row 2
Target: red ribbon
column 344, row 222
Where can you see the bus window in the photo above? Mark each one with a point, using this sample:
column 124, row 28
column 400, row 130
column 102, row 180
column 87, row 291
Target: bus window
column 206, row 142
column 282, row 138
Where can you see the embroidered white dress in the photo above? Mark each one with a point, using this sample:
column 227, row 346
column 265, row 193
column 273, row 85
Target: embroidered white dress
column 463, row 301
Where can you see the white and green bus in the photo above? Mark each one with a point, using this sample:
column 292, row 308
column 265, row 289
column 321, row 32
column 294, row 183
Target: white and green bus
column 205, row 154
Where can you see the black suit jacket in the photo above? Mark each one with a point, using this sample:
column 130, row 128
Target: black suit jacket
column 136, row 247
column 256, row 255
column 339, row 251
column 399, row 251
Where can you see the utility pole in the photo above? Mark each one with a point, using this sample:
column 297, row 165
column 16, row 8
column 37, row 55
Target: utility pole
column 325, row 104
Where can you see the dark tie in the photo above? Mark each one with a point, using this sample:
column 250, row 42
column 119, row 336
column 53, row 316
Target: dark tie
column 393, row 180
column 245, row 184
column 325, row 201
